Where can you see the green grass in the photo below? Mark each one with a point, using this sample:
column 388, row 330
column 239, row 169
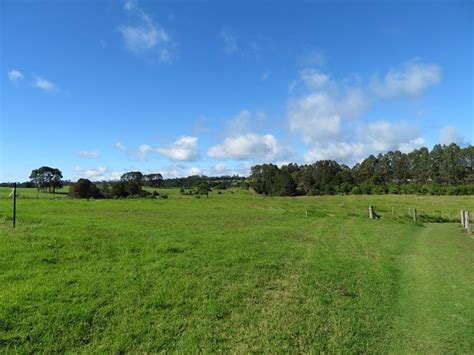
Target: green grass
column 234, row 273
column 437, row 299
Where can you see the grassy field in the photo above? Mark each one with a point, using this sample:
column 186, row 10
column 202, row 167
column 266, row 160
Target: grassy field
column 235, row 273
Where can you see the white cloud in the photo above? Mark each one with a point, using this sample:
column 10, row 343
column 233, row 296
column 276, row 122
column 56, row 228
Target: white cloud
column 249, row 146
column 120, row 146
column 315, row 116
column 412, row 144
column 372, row 138
column 145, row 35
column 88, row 153
column 179, row 170
column 220, row 169
column 313, row 78
column 385, row 135
column 324, row 109
column 245, row 122
column 194, row 171
column 344, row 152
column 116, row 175
column 353, row 103
column 15, row 75
column 450, row 134
column 184, row 149
column 44, row 84
column 319, row 114
column 412, row 79
column 99, row 173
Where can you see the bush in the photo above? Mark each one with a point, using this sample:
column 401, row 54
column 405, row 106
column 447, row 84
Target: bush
column 356, row 190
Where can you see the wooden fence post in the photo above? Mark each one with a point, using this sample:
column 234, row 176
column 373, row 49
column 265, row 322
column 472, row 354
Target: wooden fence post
column 371, row 212
column 467, row 221
column 462, row 218
column 414, row 214
column 14, row 205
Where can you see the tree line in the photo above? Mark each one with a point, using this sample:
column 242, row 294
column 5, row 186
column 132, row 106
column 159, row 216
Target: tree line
column 446, row 169
column 130, row 185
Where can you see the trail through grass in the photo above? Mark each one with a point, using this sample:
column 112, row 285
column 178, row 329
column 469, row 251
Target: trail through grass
column 436, row 293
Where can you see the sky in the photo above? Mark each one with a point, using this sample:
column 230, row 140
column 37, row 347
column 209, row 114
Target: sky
column 98, row 88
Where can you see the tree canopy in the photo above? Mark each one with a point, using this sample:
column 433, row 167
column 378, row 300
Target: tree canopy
column 47, row 179
column 84, row 188
column 444, row 169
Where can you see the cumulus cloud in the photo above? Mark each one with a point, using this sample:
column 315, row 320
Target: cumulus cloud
column 88, row 154
column 345, row 152
column 99, row 173
column 411, row 79
column 319, row 113
column 384, row 136
column 44, row 84
column 371, row 138
column 248, row 146
column 315, row 116
column 15, row 75
column 145, row 35
column 324, row 110
column 450, row 134
column 179, row 170
column 184, row 149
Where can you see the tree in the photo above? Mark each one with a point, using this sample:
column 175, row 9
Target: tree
column 119, row 189
column 47, row 179
column 153, row 180
column 84, row 188
column 285, row 185
column 133, row 176
column 204, row 188
column 439, row 171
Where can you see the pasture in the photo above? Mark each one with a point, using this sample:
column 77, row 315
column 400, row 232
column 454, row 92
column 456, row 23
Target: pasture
column 236, row 273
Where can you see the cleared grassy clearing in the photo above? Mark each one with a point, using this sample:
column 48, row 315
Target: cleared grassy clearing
column 235, row 272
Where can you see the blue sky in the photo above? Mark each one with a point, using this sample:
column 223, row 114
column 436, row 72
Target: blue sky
column 97, row 88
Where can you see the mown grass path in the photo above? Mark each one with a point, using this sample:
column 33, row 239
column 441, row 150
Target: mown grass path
column 436, row 293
